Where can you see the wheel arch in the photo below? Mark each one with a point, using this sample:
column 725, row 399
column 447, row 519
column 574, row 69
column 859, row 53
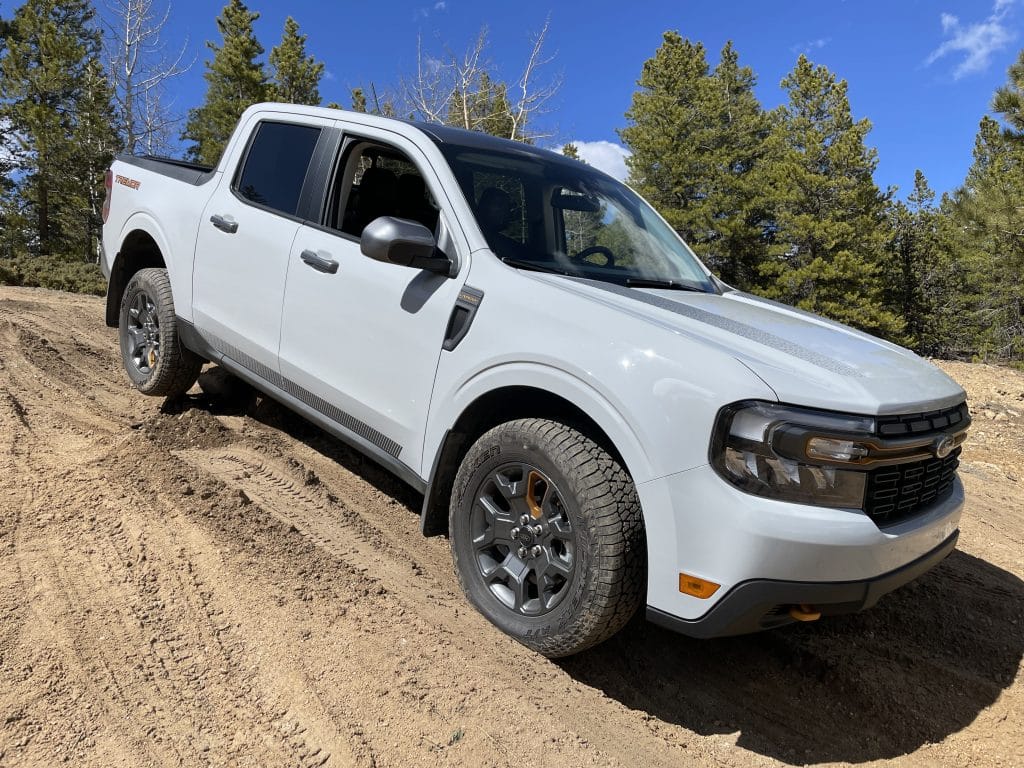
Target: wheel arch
column 142, row 245
column 552, row 394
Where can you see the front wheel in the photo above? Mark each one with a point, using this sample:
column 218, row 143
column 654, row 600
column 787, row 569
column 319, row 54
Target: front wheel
column 151, row 351
column 547, row 536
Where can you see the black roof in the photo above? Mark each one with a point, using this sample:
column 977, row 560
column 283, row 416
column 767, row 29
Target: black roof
column 460, row 138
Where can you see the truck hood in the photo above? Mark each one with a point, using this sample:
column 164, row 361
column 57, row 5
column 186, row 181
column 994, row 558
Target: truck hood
column 807, row 360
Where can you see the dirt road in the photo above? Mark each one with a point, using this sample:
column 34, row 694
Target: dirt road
column 218, row 583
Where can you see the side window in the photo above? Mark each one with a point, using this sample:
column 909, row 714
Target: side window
column 373, row 181
column 276, row 164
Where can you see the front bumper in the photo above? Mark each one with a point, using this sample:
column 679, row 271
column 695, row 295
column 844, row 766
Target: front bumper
column 699, row 525
column 764, row 603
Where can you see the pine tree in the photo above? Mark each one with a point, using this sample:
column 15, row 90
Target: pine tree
column 358, row 100
column 296, row 76
column 95, row 138
column 235, row 80
column 737, row 214
column 696, row 139
column 917, row 271
column 10, row 223
column 827, row 233
column 54, row 99
column 988, row 209
column 669, row 121
column 1009, row 99
column 384, row 107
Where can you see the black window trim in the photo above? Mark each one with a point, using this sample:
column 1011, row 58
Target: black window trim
column 306, row 191
column 320, row 184
column 347, row 140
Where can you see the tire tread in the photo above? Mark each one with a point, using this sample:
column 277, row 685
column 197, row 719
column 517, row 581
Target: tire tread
column 610, row 511
column 178, row 367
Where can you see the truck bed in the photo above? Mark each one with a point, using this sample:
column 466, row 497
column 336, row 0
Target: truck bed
column 182, row 170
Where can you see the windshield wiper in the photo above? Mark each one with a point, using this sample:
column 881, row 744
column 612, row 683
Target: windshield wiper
column 644, row 282
column 532, row 266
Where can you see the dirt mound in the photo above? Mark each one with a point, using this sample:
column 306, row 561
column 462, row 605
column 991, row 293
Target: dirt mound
column 217, row 582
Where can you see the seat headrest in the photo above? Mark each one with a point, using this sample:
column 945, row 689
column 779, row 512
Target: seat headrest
column 411, row 187
column 494, row 209
column 378, row 185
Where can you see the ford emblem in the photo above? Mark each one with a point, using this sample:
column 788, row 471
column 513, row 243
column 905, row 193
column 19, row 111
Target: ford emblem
column 944, row 446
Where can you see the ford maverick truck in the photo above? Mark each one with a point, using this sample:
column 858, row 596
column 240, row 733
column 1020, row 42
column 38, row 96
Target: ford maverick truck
column 596, row 421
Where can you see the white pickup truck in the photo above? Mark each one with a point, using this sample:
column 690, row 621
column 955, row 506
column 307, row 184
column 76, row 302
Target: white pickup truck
column 595, row 420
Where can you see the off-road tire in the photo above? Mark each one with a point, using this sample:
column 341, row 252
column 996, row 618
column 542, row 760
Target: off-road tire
column 608, row 580
column 176, row 368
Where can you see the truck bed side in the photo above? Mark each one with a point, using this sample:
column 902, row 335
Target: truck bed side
column 155, row 210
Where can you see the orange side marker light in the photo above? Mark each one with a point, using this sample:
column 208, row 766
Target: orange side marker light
column 696, row 587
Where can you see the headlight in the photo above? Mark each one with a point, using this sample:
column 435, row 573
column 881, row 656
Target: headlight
column 793, row 454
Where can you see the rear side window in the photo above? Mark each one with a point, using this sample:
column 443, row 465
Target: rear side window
column 276, row 164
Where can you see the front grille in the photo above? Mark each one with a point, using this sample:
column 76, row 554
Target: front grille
column 917, row 423
column 896, row 493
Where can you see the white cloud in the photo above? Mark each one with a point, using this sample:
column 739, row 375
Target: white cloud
column 425, row 11
column 976, row 41
column 810, row 45
column 604, row 155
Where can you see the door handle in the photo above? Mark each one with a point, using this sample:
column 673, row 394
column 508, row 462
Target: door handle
column 223, row 224
column 320, row 263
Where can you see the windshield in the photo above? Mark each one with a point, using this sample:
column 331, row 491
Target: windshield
column 564, row 217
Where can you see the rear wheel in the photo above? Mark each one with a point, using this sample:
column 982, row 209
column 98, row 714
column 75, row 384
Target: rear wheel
column 547, row 536
column 151, row 351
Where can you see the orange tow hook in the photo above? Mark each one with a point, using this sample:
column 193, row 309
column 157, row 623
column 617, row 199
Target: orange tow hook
column 804, row 612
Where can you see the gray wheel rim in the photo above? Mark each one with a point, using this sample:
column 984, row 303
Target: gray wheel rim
column 523, row 541
column 143, row 333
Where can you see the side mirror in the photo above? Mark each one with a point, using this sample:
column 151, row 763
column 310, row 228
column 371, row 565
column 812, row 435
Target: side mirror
column 405, row 243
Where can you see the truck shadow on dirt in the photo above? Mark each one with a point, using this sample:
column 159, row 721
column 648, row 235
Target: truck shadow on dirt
column 226, row 395
column 919, row 666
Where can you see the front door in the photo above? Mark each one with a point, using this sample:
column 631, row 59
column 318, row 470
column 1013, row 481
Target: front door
column 362, row 337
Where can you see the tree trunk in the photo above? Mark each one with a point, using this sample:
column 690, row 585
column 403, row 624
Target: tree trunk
column 44, row 219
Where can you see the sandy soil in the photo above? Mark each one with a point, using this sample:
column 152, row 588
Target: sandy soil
column 218, row 583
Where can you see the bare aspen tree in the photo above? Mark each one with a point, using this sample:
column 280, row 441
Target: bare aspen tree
column 462, row 90
column 533, row 97
column 139, row 70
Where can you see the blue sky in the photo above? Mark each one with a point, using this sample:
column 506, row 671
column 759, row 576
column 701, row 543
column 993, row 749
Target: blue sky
column 923, row 71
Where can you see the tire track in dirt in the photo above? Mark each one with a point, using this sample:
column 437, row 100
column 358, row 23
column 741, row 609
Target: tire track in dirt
column 152, row 614
column 317, row 513
column 138, row 644
column 134, row 652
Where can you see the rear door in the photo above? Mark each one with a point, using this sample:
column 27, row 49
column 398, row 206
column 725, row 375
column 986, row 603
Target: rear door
column 361, row 339
column 245, row 236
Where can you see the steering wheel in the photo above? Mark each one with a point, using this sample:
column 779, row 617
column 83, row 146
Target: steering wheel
column 580, row 257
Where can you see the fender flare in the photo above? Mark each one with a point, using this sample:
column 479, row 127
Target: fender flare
column 557, row 381
column 532, row 375
column 137, row 222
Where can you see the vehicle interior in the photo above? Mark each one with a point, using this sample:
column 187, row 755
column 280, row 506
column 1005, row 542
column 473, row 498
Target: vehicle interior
column 373, row 181
column 568, row 219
